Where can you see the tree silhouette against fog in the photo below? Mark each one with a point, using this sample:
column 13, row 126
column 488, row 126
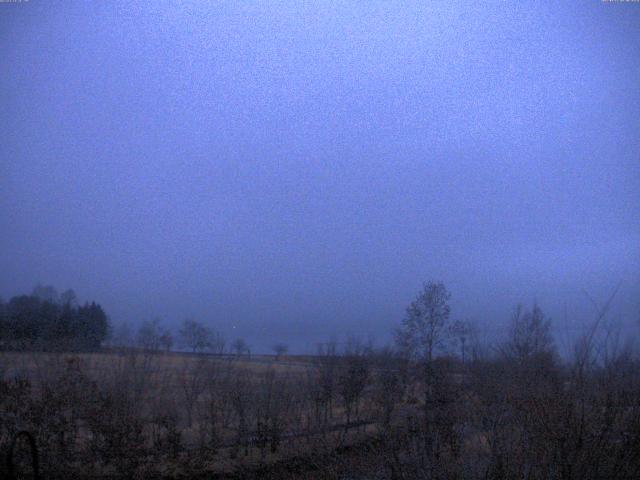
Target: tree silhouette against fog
column 529, row 336
column 240, row 347
column 461, row 332
column 150, row 333
column 195, row 336
column 423, row 328
column 280, row 349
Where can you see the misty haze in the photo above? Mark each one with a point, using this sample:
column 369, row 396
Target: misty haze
column 320, row 240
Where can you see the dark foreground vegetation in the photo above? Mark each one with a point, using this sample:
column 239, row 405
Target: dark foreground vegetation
column 511, row 410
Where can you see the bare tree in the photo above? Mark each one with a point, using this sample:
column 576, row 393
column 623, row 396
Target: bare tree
column 240, row 396
column 423, row 330
column 353, row 377
column 424, row 327
column 195, row 336
column 217, row 408
column 529, row 335
column 280, row 349
column 461, row 332
column 165, row 340
column 148, row 336
column 388, row 394
column 271, row 402
column 325, row 379
column 193, row 380
column 240, row 347
column 584, row 348
column 217, row 343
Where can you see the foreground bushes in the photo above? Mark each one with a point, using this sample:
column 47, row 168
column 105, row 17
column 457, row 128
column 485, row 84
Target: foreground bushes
column 363, row 414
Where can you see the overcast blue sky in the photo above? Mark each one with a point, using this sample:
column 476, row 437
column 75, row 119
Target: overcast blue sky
column 291, row 171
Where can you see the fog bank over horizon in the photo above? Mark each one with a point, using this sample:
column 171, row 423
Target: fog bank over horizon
column 292, row 172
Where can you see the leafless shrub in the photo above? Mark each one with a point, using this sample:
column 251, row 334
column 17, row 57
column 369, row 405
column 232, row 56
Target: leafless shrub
column 353, row 378
column 193, row 382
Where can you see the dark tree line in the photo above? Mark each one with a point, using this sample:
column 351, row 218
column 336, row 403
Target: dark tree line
column 45, row 320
